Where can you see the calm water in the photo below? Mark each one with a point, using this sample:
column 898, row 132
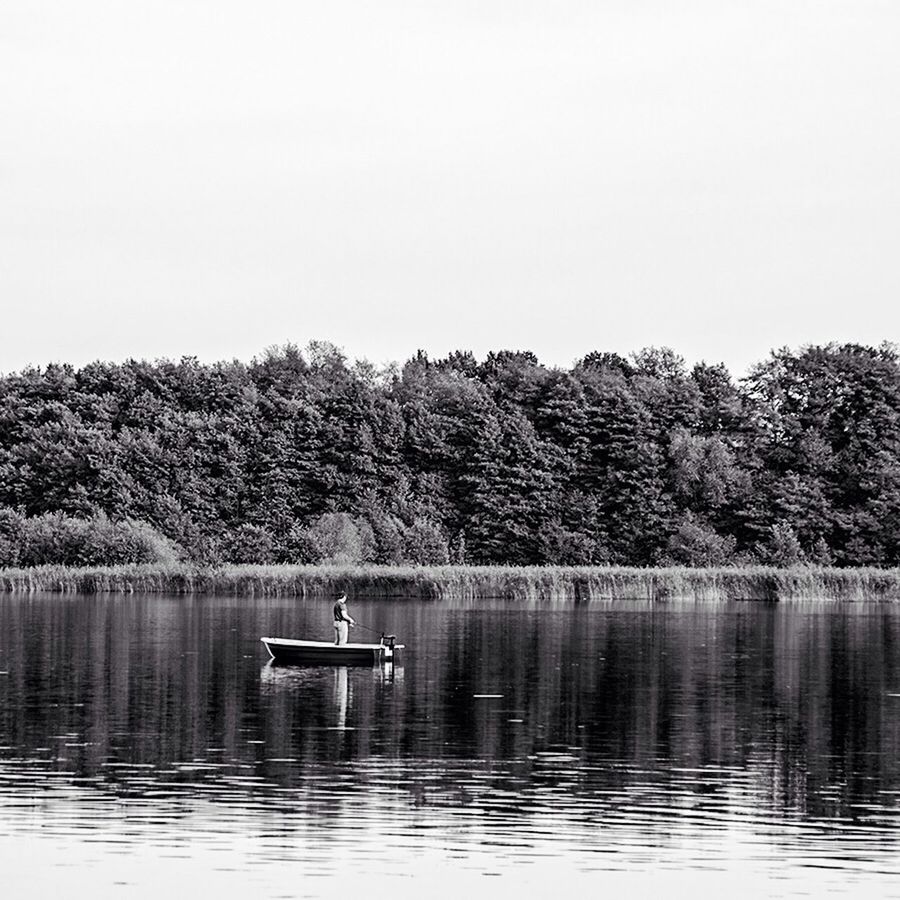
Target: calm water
column 147, row 746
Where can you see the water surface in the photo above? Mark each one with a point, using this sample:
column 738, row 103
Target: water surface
column 147, row 745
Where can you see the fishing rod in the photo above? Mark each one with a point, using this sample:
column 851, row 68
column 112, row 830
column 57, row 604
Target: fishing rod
column 373, row 630
column 390, row 638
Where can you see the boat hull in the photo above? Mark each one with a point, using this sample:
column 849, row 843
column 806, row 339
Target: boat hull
column 320, row 653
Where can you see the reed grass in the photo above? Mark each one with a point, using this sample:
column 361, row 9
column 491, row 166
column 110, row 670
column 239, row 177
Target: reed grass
column 529, row 583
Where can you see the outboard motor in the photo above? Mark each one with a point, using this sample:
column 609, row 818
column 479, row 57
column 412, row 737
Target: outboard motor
column 387, row 641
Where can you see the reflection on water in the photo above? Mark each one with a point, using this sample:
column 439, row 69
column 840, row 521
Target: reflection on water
column 146, row 744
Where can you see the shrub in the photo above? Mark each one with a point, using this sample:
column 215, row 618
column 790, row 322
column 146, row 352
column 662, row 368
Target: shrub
column 783, row 549
column 698, row 545
column 54, row 538
column 335, row 539
column 248, row 544
column 424, row 544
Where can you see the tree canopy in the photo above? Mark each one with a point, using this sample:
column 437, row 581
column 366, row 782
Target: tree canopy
column 303, row 456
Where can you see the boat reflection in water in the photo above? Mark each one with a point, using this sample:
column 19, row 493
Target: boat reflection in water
column 341, row 696
column 306, row 689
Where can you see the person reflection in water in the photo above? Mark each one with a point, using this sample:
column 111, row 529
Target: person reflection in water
column 342, row 620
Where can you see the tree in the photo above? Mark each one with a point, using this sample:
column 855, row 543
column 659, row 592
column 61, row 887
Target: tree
column 619, row 466
column 695, row 544
column 338, row 539
column 826, row 432
column 783, row 547
column 248, row 544
column 425, row 544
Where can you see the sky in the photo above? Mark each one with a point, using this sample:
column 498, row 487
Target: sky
column 210, row 179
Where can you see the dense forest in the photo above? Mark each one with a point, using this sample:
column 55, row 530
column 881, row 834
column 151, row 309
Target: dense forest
column 302, row 456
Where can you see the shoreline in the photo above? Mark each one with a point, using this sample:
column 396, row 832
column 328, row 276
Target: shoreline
column 523, row 584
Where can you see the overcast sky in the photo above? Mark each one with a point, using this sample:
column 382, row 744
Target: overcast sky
column 211, row 178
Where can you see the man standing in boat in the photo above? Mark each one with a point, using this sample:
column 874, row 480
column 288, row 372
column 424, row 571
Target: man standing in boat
column 342, row 620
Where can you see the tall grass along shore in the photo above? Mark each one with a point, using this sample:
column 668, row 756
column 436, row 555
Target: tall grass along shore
column 527, row 583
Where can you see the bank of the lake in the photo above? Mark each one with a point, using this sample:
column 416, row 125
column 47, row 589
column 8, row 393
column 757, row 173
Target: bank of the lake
column 529, row 583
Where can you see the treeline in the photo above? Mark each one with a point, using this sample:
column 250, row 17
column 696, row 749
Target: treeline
column 302, row 457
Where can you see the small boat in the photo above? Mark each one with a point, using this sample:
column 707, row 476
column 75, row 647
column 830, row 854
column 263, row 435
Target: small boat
column 322, row 653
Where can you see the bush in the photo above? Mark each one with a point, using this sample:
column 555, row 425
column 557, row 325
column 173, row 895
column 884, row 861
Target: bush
column 424, row 544
column 388, row 532
column 698, row 546
column 783, row 547
column 335, row 539
column 248, row 544
column 54, row 538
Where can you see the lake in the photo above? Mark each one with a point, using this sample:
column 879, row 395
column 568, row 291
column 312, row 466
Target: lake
column 146, row 745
